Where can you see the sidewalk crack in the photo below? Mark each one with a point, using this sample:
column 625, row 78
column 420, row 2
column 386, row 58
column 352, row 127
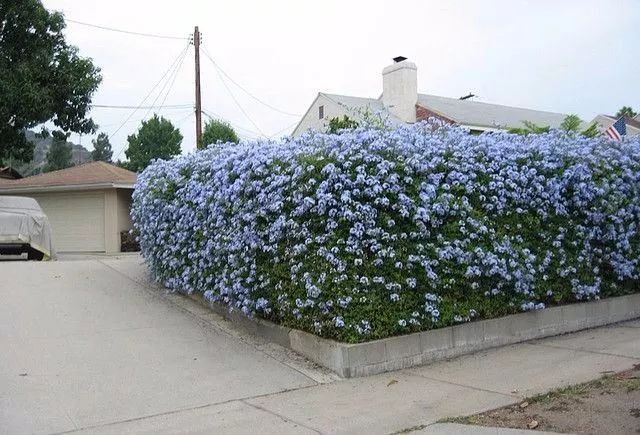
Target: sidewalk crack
column 411, row 372
column 282, row 417
column 555, row 346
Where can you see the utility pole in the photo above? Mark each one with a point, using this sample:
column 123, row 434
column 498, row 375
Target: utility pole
column 196, row 45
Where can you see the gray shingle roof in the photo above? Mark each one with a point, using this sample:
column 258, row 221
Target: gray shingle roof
column 464, row 112
column 357, row 104
column 474, row 113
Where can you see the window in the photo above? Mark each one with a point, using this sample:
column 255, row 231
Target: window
column 321, row 112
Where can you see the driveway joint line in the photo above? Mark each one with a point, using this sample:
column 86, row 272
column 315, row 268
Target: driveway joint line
column 625, row 326
column 556, row 346
column 282, row 417
column 179, row 410
column 517, row 397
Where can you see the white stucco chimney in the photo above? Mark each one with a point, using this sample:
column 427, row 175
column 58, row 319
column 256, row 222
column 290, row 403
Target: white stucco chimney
column 400, row 89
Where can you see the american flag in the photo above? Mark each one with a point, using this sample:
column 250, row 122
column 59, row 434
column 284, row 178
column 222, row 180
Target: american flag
column 617, row 129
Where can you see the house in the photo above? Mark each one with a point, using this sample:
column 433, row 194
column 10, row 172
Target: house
column 605, row 121
column 87, row 205
column 400, row 102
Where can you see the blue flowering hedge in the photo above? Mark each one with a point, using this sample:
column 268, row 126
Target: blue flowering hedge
column 376, row 232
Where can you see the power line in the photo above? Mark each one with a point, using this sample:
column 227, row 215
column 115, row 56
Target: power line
column 169, row 106
column 284, row 129
column 215, row 116
column 215, row 64
column 233, row 97
column 175, row 76
column 178, row 112
column 111, row 29
column 152, row 89
column 181, row 121
column 180, row 55
column 173, row 73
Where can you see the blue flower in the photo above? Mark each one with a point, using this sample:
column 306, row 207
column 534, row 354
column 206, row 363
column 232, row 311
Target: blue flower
column 314, row 230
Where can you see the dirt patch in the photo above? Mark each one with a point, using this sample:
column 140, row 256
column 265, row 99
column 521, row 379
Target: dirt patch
column 610, row 405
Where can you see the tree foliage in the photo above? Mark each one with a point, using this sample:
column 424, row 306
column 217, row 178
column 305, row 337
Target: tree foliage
column 60, row 153
column 591, row 131
column 530, row 127
column 218, row 130
column 156, row 138
column 570, row 123
column 626, row 111
column 102, row 148
column 345, row 123
column 42, row 77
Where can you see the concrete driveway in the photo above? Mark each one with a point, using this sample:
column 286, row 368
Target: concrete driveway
column 84, row 345
column 90, row 345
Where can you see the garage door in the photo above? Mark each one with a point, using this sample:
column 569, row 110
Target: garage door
column 77, row 220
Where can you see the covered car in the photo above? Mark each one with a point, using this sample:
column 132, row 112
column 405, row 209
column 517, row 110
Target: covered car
column 24, row 228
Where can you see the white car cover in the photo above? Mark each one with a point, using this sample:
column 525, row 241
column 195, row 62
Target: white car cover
column 23, row 221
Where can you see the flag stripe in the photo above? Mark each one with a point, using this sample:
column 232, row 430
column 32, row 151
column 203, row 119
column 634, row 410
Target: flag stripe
column 617, row 129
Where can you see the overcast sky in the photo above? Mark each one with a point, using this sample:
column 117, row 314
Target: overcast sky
column 579, row 56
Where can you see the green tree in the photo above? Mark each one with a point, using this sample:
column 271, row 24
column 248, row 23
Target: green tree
column 591, row 131
column 530, row 127
column 156, row 138
column 345, row 123
column 626, row 111
column 217, row 130
column 571, row 123
column 42, row 77
column 102, row 148
column 60, row 153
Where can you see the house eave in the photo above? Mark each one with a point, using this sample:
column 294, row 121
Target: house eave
column 482, row 127
column 64, row 188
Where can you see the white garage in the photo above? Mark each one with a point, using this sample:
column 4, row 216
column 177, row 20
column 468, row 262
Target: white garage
column 87, row 205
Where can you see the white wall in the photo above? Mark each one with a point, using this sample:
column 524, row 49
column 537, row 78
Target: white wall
column 400, row 90
column 311, row 120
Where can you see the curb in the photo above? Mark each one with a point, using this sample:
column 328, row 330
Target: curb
column 362, row 359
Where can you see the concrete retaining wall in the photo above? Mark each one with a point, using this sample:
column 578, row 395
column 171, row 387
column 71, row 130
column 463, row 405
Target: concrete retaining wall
column 393, row 353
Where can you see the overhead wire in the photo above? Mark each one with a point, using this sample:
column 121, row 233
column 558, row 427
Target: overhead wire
column 175, row 76
column 172, row 74
column 214, row 116
column 168, row 106
column 179, row 112
column 180, row 55
column 219, row 68
column 283, row 130
column 151, row 91
column 235, row 100
column 129, row 32
column 182, row 120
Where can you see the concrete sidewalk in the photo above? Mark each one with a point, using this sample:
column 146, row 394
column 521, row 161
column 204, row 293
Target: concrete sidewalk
column 92, row 346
